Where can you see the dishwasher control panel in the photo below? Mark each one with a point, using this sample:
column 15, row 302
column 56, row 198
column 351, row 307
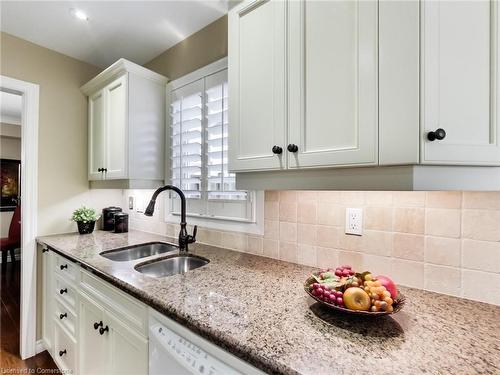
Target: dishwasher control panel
column 188, row 355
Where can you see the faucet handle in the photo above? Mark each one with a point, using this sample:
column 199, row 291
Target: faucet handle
column 192, row 238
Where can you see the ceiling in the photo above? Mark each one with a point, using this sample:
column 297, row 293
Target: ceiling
column 10, row 108
column 135, row 30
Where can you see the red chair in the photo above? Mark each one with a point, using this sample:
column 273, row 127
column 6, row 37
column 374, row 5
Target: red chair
column 12, row 242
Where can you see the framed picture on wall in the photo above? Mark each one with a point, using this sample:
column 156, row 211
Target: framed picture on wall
column 10, row 183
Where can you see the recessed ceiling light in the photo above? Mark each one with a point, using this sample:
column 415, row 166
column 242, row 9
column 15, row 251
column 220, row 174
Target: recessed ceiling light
column 81, row 15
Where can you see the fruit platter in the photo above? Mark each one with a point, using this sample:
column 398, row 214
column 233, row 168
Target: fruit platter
column 360, row 293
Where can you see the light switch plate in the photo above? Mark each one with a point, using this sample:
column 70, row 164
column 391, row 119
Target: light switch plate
column 354, row 221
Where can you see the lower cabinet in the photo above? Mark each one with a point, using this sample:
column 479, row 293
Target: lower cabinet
column 89, row 326
column 106, row 345
column 65, row 350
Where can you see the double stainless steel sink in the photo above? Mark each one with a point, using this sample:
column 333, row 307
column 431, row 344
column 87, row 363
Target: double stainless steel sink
column 139, row 251
column 170, row 265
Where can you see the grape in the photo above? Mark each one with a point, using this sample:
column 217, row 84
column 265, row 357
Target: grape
column 326, row 294
column 340, row 301
column 316, row 285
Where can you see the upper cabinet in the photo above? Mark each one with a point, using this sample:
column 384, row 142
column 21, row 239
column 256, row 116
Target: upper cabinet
column 257, row 75
column 332, row 83
column 126, row 127
column 461, row 82
column 367, row 83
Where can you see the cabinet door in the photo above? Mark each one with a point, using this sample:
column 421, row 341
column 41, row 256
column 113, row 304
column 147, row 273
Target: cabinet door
column 129, row 351
column 460, row 78
column 115, row 95
column 93, row 347
column 96, row 135
column 48, row 300
column 257, row 66
column 332, row 83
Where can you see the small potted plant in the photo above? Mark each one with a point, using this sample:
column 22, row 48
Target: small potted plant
column 85, row 219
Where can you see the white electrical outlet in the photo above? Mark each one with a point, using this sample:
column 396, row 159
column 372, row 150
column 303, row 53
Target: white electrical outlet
column 354, row 221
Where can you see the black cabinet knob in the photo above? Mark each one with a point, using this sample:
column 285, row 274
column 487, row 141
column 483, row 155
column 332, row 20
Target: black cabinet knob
column 277, row 150
column 45, row 250
column 105, row 170
column 438, row 134
column 100, row 169
column 292, row 148
column 62, row 291
column 62, row 352
column 63, row 266
column 62, row 316
column 102, row 330
column 97, row 325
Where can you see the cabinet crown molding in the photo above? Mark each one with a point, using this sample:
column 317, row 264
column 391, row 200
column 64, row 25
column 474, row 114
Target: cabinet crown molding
column 117, row 69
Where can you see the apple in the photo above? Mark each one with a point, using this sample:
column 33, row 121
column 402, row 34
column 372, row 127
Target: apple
column 389, row 285
column 356, row 298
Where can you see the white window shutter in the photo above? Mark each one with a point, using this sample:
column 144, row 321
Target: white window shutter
column 199, row 146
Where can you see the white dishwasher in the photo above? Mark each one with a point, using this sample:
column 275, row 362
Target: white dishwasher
column 174, row 350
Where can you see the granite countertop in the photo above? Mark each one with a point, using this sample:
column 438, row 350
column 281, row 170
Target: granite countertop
column 256, row 308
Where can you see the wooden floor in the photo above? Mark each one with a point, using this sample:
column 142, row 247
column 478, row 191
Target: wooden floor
column 10, row 281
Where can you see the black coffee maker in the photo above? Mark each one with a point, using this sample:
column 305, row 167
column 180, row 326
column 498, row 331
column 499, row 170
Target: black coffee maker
column 108, row 217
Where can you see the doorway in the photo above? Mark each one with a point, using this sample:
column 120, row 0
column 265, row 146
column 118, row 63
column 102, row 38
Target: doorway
column 19, row 99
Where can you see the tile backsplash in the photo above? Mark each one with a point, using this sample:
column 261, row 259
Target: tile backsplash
column 443, row 241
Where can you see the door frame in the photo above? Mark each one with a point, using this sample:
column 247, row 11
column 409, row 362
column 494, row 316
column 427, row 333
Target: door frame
column 29, row 193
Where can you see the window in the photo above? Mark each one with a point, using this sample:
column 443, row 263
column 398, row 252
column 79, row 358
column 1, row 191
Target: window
column 198, row 136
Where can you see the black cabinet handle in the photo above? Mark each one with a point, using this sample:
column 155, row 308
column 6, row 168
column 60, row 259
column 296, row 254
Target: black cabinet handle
column 438, row 134
column 97, row 325
column 102, row 330
column 62, row 291
column 65, row 315
column 292, row 148
column 105, row 170
column 63, row 266
column 100, row 169
column 62, row 352
column 277, row 150
column 45, row 250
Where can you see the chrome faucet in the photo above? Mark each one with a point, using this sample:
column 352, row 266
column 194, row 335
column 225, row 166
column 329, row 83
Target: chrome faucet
column 184, row 238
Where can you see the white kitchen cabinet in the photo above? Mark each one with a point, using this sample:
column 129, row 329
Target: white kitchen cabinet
column 368, row 85
column 257, row 79
column 96, row 135
column 126, row 127
column 313, row 104
column 93, row 347
column 461, row 82
column 115, row 95
column 128, row 350
column 332, row 83
column 113, row 330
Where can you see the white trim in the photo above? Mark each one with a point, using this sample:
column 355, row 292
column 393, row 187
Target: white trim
column 254, row 227
column 207, row 70
column 29, row 191
column 39, row 346
column 119, row 68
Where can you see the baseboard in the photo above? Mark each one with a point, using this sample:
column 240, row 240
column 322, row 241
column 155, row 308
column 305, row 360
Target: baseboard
column 39, row 346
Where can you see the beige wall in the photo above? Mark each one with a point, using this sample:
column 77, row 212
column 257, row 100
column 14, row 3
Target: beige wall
column 202, row 48
column 62, row 157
